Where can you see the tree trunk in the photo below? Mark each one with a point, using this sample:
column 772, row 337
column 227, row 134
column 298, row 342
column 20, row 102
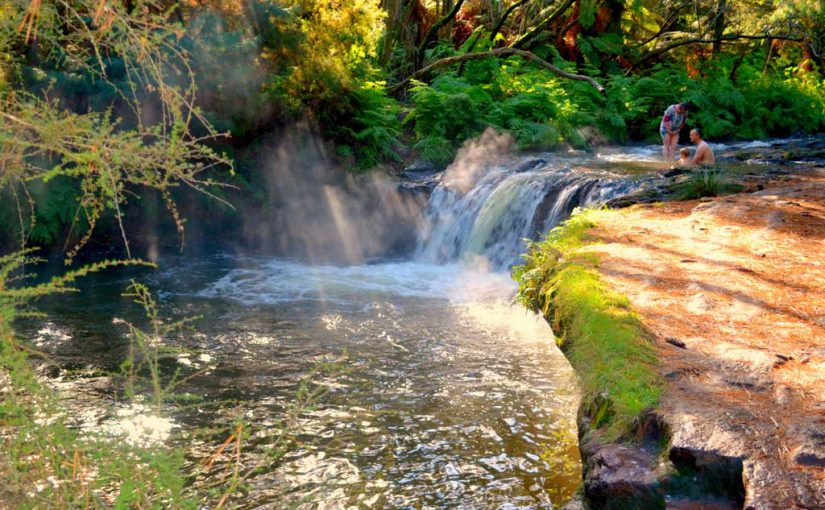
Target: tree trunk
column 393, row 9
column 768, row 56
column 719, row 26
column 432, row 33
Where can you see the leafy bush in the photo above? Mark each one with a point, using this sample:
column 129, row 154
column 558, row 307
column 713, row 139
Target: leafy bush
column 542, row 111
column 703, row 182
column 752, row 105
column 373, row 133
column 706, row 182
column 509, row 95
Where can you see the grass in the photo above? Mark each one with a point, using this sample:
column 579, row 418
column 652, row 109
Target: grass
column 595, row 326
column 46, row 462
column 705, row 182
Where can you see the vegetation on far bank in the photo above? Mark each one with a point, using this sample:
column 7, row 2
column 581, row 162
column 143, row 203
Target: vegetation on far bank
column 601, row 336
column 111, row 108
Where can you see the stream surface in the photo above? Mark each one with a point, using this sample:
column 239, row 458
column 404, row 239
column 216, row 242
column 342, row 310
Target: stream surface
column 443, row 394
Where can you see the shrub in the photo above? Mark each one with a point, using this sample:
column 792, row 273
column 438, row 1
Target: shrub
column 751, row 105
column 705, row 182
column 510, row 95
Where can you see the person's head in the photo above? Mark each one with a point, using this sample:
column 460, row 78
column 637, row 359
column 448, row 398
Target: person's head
column 684, row 152
column 695, row 135
column 682, row 108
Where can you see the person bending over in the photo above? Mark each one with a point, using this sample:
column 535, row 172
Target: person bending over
column 704, row 154
column 672, row 122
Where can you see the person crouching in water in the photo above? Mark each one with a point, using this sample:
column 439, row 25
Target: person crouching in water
column 704, row 154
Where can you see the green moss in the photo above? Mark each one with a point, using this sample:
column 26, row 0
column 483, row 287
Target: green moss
column 602, row 337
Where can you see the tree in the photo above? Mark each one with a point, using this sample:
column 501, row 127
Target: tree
column 101, row 94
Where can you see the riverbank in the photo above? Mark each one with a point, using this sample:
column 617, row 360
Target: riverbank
column 731, row 294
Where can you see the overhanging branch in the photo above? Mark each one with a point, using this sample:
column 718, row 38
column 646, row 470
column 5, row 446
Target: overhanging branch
column 531, row 34
column 698, row 40
column 500, row 52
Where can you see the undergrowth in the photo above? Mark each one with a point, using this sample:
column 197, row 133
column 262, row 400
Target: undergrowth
column 602, row 337
column 44, row 461
column 542, row 111
column 47, row 461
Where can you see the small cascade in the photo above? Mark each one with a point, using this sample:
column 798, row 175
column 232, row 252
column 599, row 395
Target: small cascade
column 505, row 204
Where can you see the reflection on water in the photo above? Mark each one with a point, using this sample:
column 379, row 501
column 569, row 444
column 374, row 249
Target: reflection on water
column 451, row 397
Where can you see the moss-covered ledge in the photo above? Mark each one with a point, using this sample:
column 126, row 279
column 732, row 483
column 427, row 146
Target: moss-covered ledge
column 616, row 363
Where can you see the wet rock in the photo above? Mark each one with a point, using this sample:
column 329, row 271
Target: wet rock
column 418, row 168
column 619, row 476
column 420, row 178
column 673, row 172
column 529, row 164
column 717, row 473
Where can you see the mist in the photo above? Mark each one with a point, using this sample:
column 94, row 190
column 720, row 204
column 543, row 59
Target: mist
column 315, row 211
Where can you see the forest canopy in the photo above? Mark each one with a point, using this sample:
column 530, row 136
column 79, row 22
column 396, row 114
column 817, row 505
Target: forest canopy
column 102, row 98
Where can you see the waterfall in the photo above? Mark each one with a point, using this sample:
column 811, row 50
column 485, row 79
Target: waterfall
column 504, row 204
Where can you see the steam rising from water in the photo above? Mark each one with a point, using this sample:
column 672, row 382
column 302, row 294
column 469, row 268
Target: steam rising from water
column 323, row 214
column 475, row 156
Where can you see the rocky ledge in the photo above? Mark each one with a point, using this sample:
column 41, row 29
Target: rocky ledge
column 732, row 292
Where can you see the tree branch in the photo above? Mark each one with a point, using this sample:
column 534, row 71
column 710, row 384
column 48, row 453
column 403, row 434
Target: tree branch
column 531, row 34
column 699, row 40
column 504, row 17
column 495, row 31
column 670, row 18
column 433, row 31
column 500, row 52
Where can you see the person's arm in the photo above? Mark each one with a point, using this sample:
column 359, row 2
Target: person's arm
column 666, row 122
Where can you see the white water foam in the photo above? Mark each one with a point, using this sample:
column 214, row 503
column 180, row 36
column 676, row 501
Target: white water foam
column 271, row 281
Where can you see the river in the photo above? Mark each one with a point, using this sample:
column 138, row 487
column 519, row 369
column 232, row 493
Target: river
column 442, row 394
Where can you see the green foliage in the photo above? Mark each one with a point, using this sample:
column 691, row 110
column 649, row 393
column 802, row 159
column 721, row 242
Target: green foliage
column 753, row 105
column 509, row 95
column 601, row 336
column 705, row 182
column 43, row 458
column 373, row 133
column 106, row 99
column 320, row 66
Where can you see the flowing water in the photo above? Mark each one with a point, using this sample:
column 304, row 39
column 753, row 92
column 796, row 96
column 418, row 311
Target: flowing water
column 445, row 395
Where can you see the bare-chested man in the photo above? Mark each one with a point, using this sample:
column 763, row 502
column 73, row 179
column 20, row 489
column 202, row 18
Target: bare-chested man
column 704, row 154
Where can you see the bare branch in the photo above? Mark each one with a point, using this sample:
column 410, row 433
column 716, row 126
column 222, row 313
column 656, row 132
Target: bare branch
column 698, row 40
